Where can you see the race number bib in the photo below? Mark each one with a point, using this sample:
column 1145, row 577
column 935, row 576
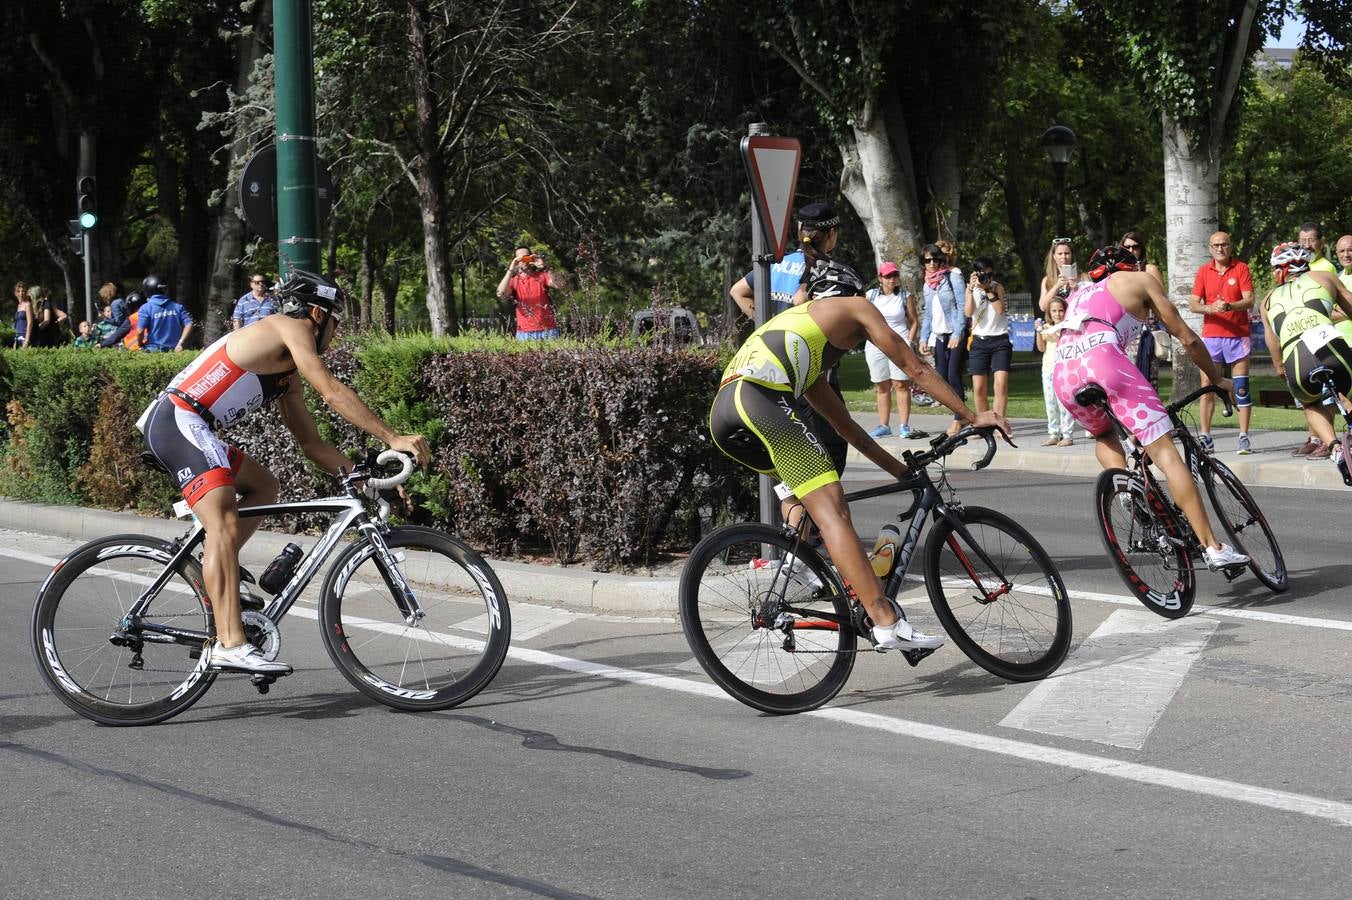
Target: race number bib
column 1316, row 338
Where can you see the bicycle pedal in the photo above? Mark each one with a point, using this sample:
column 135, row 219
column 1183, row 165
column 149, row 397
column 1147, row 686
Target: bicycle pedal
column 914, row 656
column 1233, row 572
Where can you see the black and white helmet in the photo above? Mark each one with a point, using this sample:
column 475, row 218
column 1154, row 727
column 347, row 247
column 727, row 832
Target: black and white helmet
column 833, row 279
column 300, row 290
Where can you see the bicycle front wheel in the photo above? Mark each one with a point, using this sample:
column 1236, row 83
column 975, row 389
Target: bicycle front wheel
column 1150, row 555
column 1007, row 611
column 773, row 631
column 1246, row 525
column 434, row 656
column 100, row 664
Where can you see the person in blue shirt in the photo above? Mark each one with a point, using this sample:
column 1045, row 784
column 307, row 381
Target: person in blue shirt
column 817, row 219
column 254, row 305
column 163, row 324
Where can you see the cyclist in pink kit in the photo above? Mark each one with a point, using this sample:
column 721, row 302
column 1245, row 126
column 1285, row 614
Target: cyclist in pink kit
column 1102, row 318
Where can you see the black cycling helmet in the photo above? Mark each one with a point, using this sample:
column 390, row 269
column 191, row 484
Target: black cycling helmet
column 299, row 290
column 153, row 285
column 133, row 302
column 833, row 279
column 1107, row 260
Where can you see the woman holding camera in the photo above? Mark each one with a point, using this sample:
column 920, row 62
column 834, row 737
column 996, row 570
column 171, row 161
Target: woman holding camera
column 943, row 325
column 991, row 350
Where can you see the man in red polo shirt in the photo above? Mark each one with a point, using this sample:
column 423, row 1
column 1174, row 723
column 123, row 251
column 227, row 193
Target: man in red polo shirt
column 1222, row 294
column 527, row 283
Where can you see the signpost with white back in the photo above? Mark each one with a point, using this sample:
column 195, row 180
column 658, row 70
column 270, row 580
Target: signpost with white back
column 772, row 167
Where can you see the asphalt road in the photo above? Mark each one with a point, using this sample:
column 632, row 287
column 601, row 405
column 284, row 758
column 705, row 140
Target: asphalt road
column 601, row 762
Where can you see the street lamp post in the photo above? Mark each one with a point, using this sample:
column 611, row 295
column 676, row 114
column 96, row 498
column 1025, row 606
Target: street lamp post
column 1059, row 142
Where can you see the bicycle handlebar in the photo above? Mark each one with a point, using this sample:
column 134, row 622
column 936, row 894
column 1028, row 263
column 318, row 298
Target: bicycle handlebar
column 392, row 481
column 1202, row 391
column 941, row 445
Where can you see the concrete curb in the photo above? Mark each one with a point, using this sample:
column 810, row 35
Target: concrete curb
column 575, row 589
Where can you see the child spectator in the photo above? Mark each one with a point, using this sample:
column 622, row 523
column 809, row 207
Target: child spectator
column 1059, row 422
column 85, row 338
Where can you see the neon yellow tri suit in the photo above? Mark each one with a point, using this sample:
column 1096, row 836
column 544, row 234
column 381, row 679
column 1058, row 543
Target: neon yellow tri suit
column 756, row 416
column 1300, row 315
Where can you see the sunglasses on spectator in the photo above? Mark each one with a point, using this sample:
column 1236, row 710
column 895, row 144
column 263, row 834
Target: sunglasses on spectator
column 932, row 259
column 1057, row 241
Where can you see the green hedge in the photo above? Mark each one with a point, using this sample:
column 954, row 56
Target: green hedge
column 597, row 452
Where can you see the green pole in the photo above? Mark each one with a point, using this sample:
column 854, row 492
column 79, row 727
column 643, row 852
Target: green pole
column 298, row 237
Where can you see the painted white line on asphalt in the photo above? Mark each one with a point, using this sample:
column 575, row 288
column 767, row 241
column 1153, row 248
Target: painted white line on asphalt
column 1118, row 682
column 1285, row 801
column 528, row 621
column 1220, row 788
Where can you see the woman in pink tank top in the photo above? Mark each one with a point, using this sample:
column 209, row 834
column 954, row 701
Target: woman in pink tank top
column 1102, row 318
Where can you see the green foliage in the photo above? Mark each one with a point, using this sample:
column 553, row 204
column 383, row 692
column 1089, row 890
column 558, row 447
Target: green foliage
column 595, row 451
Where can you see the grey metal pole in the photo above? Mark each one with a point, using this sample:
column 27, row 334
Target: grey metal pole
column 89, row 277
column 760, row 265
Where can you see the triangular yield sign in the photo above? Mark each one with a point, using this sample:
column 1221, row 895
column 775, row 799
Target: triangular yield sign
column 772, row 164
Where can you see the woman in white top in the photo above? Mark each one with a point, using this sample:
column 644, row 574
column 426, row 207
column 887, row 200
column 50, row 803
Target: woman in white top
column 1062, row 276
column 991, row 350
column 898, row 309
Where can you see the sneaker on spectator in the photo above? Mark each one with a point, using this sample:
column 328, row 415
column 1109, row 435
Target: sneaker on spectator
column 1323, row 451
column 1242, row 445
column 880, row 431
column 1207, row 443
column 1051, row 441
column 914, row 434
column 1311, row 444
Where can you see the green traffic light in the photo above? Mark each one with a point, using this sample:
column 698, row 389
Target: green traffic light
column 88, row 220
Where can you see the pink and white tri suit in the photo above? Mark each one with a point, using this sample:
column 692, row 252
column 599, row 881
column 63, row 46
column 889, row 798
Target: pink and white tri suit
column 1091, row 350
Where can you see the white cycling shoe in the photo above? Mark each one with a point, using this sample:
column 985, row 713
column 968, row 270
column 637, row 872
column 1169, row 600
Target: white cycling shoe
column 901, row 636
column 244, row 658
column 1223, row 557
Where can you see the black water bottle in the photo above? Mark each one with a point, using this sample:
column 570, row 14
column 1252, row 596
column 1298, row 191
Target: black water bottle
column 279, row 571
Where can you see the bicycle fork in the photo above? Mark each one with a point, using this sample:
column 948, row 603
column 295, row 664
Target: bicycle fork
column 387, row 563
column 986, row 595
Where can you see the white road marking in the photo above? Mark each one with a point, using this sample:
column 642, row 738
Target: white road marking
column 528, row 621
column 1284, row 801
column 1118, row 682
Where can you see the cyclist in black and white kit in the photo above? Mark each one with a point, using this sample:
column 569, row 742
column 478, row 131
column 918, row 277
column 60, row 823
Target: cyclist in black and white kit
column 231, row 379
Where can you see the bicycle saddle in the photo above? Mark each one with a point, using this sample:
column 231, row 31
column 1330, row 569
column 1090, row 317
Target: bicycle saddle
column 1091, row 395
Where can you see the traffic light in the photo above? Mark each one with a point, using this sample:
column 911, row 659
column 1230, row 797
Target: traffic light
column 86, row 206
column 75, row 236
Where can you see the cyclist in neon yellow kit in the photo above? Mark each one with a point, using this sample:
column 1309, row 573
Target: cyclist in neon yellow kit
column 755, row 421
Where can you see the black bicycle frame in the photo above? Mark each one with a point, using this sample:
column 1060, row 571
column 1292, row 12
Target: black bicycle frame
column 926, row 501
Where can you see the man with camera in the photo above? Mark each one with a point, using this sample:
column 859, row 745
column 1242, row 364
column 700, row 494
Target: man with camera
column 527, row 283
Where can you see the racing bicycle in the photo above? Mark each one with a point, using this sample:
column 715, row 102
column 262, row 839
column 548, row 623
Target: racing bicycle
column 412, row 617
column 773, row 624
column 1148, row 538
column 1328, row 391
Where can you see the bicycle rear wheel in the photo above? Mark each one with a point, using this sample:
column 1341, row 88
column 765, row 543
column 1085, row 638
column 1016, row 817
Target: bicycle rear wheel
column 1246, row 525
column 435, row 661
column 110, row 670
column 779, row 642
column 1149, row 554
column 1011, row 618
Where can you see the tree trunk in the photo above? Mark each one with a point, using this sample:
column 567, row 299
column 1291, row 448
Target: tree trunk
column 429, row 173
column 944, row 179
column 878, row 179
column 1191, row 192
column 366, row 279
column 227, row 228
